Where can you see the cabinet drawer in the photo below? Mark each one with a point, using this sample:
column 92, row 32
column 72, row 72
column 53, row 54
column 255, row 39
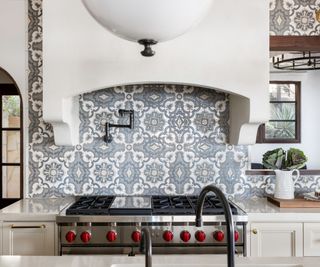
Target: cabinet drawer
column 312, row 239
column 28, row 238
column 276, row 240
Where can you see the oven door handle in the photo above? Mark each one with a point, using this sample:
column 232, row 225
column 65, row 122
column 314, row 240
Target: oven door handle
column 42, row 226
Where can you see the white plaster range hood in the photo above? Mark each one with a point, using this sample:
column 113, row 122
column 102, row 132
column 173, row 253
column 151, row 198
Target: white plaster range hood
column 227, row 51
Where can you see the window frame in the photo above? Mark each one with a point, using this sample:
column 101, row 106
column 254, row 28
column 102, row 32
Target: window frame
column 11, row 89
column 261, row 136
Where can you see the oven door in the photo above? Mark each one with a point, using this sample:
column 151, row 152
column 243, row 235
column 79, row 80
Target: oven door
column 131, row 251
column 97, row 250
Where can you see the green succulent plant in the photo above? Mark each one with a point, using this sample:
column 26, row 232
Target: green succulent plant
column 279, row 159
column 274, row 159
column 296, row 159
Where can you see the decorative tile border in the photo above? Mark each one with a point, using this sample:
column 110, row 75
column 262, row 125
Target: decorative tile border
column 263, row 185
column 294, row 17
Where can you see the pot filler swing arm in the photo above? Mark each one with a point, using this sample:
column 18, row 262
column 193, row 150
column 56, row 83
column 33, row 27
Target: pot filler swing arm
column 108, row 138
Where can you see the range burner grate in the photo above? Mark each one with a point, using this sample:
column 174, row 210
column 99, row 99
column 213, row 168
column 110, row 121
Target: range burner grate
column 173, row 205
column 160, row 205
column 91, row 205
column 212, row 205
column 186, row 205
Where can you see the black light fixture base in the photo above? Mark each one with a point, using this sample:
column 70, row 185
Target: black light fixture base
column 147, row 43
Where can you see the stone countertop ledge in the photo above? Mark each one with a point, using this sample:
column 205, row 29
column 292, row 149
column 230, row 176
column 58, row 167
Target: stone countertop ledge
column 158, row 260
column 30, row 209
column 258, row 209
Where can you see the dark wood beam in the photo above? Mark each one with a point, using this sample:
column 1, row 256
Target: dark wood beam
column 295, row 43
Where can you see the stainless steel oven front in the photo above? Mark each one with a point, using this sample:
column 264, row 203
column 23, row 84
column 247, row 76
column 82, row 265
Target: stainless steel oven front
column 170, row 235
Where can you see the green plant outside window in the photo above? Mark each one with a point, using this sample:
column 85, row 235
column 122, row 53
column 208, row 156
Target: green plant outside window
column 284, row 123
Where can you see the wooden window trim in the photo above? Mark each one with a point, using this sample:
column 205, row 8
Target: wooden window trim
column 261, row 131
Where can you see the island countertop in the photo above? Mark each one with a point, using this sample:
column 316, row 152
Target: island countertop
column 159, row 260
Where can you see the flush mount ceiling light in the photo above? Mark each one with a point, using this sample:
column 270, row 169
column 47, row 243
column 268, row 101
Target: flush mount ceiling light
column 297, row 61
column 148, row 21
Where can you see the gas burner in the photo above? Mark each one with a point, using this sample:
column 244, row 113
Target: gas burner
column 91, row 205
column 143, row 205
column 186, row 205
column 173, row 205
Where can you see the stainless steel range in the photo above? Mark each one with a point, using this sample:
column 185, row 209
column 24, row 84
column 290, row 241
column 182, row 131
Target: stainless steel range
column 112, row 225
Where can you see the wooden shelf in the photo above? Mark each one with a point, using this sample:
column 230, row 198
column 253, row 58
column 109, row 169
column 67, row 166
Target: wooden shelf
column 295, row 43
column 271, row 172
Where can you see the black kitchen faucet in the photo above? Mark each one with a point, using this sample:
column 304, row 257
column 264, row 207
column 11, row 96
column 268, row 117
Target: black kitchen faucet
column 227, row 214
column 146, row 246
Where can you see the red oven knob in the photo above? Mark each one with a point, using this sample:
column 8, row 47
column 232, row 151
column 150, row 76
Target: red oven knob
column 185, row 236
column 200, row 236
column 71, row 236
column 218, row 235
column 136, row 236
column 85, row 237
column 236, row 236
column 167, row 235
column 112, row 236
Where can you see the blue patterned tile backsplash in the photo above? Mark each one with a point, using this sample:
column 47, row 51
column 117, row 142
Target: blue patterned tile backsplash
column 177, row 146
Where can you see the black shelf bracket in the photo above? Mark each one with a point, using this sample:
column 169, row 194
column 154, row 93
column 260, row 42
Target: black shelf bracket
column 108, row 138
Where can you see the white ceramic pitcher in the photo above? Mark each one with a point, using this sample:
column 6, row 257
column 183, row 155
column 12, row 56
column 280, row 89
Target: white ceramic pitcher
column 284, row 187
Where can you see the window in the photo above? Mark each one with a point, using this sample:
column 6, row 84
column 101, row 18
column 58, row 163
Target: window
column 11, row 140
column 284, row 123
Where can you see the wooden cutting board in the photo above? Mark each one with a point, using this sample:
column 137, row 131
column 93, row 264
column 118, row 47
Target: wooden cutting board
column 294, row 203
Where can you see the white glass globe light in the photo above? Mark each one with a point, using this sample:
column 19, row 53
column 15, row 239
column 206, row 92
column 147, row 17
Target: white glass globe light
column 150, row 20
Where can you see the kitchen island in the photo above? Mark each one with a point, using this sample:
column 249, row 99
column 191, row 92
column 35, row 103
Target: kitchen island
column 158, row 260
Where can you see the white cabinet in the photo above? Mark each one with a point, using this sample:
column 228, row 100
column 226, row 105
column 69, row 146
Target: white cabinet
column 28, row 238
column 311, row 239
column 276, row 239
column 1, row 238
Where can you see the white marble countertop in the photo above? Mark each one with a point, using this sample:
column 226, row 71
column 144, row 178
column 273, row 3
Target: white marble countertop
column 35, row 209
column 260, row 209
column 158, row 260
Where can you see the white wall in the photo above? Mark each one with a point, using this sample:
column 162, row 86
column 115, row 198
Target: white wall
column 225, row 51
column 13, row 42
column 13, row 53
column 13, row 45
column 310, row 119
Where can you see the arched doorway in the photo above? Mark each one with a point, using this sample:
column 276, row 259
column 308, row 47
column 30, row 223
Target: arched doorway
column 11, row 141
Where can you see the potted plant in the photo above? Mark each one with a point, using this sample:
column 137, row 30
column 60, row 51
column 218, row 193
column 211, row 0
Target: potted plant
column 279, row 159
column 284, row 165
